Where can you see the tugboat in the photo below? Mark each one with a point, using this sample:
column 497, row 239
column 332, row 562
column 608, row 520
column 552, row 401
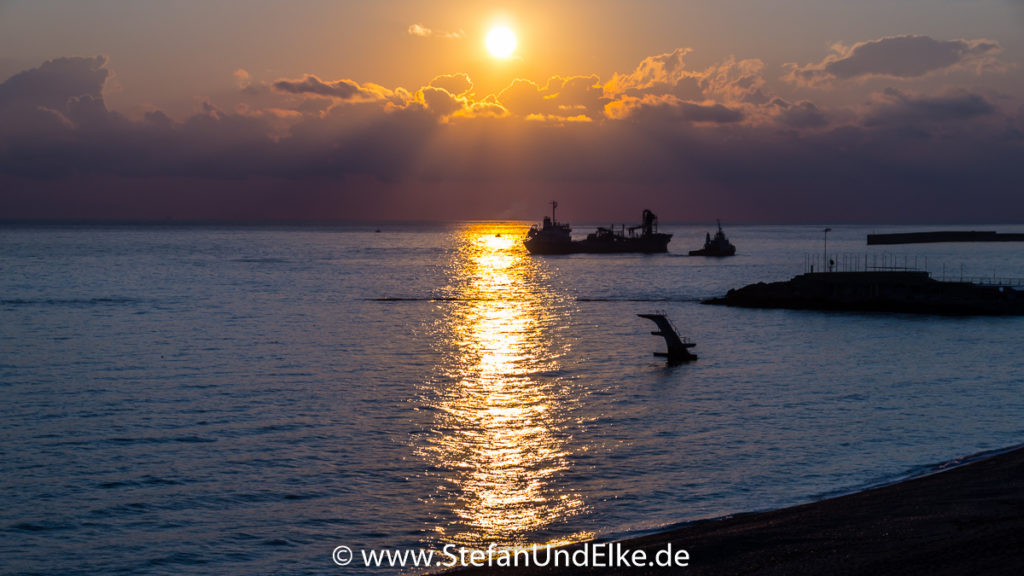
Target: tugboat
column 554, row 237
column 717, row 246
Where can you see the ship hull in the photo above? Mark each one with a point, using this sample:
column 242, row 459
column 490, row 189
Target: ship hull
column 652, row 244
column 714, row 252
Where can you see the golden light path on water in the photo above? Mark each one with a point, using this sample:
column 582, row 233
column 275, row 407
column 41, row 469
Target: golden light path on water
column 502, row 407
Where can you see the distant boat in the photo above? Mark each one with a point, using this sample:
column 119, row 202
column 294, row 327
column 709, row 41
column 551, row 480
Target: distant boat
column 554, row 237
column 717, row 246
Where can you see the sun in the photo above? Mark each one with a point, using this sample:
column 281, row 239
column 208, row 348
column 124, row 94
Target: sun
column 501, row 42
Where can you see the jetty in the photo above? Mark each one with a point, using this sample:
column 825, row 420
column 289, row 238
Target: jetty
column 943, row 236
column 908, row 291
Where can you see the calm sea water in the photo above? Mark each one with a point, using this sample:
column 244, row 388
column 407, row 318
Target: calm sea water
column 237, row 400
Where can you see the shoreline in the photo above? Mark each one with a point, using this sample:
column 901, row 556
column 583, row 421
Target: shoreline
column 963, row 519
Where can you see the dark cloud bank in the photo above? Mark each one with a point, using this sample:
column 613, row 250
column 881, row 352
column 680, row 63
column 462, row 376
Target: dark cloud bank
column 898, row 57
column 690, row 144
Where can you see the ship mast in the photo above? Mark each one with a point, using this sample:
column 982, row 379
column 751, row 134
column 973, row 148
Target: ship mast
column 554, row 204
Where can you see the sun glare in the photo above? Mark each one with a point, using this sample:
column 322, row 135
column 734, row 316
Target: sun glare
column 501, row 42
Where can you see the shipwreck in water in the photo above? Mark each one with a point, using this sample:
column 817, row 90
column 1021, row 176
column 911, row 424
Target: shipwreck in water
column 678, row 348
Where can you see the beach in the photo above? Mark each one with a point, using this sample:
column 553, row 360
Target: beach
column 965, row 520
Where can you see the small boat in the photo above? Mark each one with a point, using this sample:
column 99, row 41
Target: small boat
column 717, row 246
column 554, row 237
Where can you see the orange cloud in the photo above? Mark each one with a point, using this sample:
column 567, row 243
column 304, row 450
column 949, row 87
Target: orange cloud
column 371, row 148
column 457, row 84
column 654, row 74
column 440, row 101
column 242, row 78
column 559, row 99
column 340, row 89
column 424, row 32
column 731, row 91
column 668, row 108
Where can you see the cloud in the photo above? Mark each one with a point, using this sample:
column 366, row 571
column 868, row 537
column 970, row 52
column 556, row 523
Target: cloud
column 524, row 97
column 662, row 86
column 661, row 74
column 689, row 144
column 894, row 108
column 668, row 108
column 57, row 96
column 310, row 84
column 576, row 95
column 53, row 83
column 440, row 101
column 242, row 78
column 895, row 57
column 735, row 81
column 489, row 107
column 456, row 84
column 731, row 81
column 803, row 114
column 562, row 98
column 424, row 32
column 50, row 103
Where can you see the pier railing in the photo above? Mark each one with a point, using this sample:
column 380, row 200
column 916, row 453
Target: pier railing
column 990, row 281
column 843, row 262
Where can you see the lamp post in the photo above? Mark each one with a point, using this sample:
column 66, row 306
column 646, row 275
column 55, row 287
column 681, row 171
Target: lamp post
column 824, row 262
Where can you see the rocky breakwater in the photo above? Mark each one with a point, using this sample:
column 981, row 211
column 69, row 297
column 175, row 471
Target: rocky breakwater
column 877, row 291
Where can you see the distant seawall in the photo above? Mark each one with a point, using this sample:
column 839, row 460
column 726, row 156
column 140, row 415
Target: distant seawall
column 943, row 236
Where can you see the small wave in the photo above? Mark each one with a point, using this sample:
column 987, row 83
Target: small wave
column 101, row 301
column 178, row 558
column 439, row 299
column 503, row 299
column 918, row 472
column 267, row 260
column 259, row 497
column 147, row 480
column 194, row 439
column 161, row 440
column 285, row 427
column 120, row 510
column 43, row 526
column 929, row 469
column 640, row 299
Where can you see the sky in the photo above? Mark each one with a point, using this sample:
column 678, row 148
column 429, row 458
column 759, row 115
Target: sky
column 823, row 111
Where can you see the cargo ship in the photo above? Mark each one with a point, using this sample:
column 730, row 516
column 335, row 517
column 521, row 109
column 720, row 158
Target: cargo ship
column 554, row 237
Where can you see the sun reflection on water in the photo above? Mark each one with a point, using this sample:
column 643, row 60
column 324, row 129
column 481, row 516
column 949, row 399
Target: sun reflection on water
column 502, row 404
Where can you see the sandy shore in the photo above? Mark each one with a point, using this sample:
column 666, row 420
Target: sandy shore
column 966, row 520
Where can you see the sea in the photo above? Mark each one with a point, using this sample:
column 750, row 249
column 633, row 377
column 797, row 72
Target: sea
column 227, row 399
